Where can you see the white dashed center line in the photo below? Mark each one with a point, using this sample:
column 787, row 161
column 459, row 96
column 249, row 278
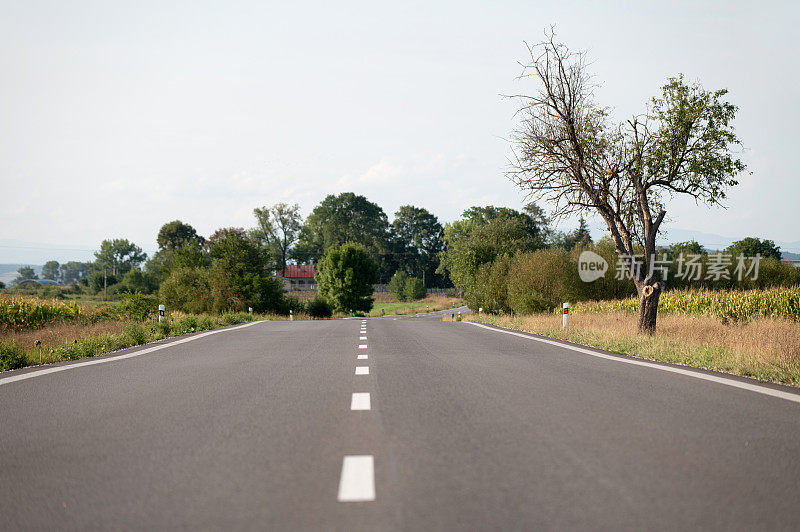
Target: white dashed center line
column 362, row 337
column 362, row 346
column 362, row 370
column 357, row 482
column 363, row 357
column 360, row 401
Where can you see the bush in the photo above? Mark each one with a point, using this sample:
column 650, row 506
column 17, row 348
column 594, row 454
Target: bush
column 397, row 285
column 139, row 307
column 187, row 289
column 12, row 356
column 135, row 333
column 97, row 281
column 345, row 278
column 187, row 324
column 490, row 290
column 319, row 308
column 414, row 289
column 205, row 323
column 542, row 280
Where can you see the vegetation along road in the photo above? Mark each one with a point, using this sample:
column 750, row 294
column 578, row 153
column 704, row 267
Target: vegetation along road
column 387, row 424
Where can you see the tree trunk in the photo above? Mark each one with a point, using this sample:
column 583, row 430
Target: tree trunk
column 648, row 308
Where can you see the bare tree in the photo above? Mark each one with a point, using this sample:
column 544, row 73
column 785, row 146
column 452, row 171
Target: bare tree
column 567, row 151
column 278, row 227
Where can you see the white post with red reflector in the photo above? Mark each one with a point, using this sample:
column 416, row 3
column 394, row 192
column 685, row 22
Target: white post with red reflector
column 564, row 315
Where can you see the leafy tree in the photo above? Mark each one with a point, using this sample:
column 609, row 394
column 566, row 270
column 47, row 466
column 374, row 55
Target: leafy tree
column 578, row 237
column 176, row 234
column 345, row 218
column 482, row 235
column 73, row 271
column 397, row 285
column 25, row 273
column 418, row 239
column 414, row 289
column 118, row 256
column 278, row 229
column 138, row 281
column 690, row 247
column 223, row 232
column 99, row 281
column 569, row 153
column 50, row 270
column 751, row 246
column 2, row 285
column 345, row 278
column 187, row 289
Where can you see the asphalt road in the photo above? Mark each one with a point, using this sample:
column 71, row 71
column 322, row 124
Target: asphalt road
column 466, row 429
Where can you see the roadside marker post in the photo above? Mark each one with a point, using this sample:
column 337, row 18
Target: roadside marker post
column 161, row 309
column 565, row 315
column 250, row 310
column 291, row 315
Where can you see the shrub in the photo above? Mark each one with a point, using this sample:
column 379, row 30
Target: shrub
column 187, row 289
column 319, row 308
column 135, row 333
column 139, row 307
column 12, row 356
column 490, row 290
column 345, row 278
column 414, row 289
column 205, row 323
column 187, row 324
column 397, row 285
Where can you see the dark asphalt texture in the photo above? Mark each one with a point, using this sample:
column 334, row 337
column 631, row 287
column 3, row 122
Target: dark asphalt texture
column 470, row 429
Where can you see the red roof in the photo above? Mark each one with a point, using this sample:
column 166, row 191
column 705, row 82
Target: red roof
column 300, row 271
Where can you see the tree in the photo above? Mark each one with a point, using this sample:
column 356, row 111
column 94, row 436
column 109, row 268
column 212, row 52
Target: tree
column 567, row 152
column 397, row 285
column 73, row 271
column 25, row 273
column 345, row 278
column 175, row 234
column 345, row 218
column 118, row 256
column 484, row 234
column 50, row 270
column 751, row 246
column 278, row 229
column 418, row 238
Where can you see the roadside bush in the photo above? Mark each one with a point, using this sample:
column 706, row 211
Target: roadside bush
column 185, row 325
column 542, row 279
column 138, row 306
column 490, row 290
column 318, row 308
column 135, row 333
column 187, row 289
column 234, row 318
column 205, row 323
column 12, row 356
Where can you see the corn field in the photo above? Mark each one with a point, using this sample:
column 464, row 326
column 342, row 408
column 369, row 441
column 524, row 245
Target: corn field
column 30, row 313
column 727, row 305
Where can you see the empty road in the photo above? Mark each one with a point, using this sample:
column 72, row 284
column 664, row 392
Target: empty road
column 391, row 424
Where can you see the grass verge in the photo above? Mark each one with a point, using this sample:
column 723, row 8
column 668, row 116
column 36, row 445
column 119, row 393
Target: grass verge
column 767, row 349
column 430, row 303
column 66, row 341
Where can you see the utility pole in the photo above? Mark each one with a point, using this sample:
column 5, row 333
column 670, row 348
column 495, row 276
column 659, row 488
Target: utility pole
column 105, row 284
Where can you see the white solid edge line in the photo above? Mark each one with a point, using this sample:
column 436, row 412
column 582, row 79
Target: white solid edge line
column 32, row 374
column 360, row 401
column 362, row 370
column 697, row 375
column 357, row 482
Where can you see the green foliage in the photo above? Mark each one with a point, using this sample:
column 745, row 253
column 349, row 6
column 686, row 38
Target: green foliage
column 187, row 289
column 750, row 247
column 20, row 313
column 12, row 356
column 98, row 281
column 25, row 273
column 490, row 290
column 417, row 242
column 50, row 270
column 318, row 308
column 345, row 218
column 278, row 229
column 138, row 306
column 118, row 257
column 135, row 333
column 176, row 234
column 72, row 271
column 413, row 289
column 345, row 278
column 138, row 281
column 397, row 285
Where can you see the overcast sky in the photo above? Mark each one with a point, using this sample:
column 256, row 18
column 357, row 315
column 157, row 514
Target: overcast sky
column 117, row 117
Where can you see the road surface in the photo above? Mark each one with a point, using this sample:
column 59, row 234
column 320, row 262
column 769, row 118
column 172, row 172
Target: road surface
column 449, row 426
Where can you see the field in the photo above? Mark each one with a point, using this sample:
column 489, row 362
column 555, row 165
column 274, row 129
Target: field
column 431, row 303
column 762, row 348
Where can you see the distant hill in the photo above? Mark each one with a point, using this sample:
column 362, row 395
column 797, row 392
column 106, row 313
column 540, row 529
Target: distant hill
column 785, row 255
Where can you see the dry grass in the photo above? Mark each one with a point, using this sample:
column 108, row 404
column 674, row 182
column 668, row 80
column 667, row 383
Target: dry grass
column 60, row 334
column 767, row 349
column 432, row 303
